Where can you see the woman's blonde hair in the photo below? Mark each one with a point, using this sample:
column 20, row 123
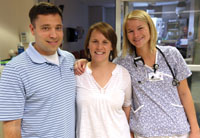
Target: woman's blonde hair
column 142, row 16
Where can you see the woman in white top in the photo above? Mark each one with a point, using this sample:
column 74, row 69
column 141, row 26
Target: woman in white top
column 104, row 89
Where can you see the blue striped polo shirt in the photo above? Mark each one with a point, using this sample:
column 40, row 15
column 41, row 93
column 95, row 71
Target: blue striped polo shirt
column 40, row 93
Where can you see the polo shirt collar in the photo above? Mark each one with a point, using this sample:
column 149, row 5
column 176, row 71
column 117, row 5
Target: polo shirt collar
column 37, row 57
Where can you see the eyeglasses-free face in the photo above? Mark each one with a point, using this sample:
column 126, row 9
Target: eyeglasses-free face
column 48, row 32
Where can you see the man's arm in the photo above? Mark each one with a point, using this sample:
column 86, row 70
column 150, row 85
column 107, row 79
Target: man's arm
column 79, row 66
column 12, row 129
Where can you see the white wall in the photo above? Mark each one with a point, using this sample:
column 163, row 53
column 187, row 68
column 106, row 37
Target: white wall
column 13, row 19
column 75, row 14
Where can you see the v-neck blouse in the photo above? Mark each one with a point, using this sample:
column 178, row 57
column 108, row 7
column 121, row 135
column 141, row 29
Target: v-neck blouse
column 99, row 110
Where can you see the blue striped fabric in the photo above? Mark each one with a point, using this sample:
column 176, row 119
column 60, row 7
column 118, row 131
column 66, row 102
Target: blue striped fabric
column 40, row 93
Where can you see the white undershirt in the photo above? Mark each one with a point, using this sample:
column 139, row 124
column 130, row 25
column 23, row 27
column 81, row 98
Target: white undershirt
column 52, row 58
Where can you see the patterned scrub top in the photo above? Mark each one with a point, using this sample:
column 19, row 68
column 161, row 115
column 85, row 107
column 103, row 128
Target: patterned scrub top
column 157, row 109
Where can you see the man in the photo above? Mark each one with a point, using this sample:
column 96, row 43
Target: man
column 37, row 88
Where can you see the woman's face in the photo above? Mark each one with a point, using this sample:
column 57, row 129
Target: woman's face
column 138, row 33
column 99, row 47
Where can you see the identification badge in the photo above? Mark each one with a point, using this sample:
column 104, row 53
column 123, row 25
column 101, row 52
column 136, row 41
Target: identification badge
column 158, row 76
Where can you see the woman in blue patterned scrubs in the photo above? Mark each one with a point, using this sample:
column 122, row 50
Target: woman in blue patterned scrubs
column 162, row 103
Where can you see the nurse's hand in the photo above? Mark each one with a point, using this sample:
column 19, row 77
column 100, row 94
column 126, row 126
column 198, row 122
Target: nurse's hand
column 79, row 66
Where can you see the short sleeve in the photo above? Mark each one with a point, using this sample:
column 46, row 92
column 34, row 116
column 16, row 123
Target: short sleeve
column 181, row 69
column 11, row 94
column 128, row 90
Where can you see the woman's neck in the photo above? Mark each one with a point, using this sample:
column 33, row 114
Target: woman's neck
column 100, row 66
column 102, row 72
column 147, row 55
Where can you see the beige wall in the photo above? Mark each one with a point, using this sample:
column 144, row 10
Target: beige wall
column 13, row 20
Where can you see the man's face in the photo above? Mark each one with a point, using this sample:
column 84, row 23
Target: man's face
column 48, row 32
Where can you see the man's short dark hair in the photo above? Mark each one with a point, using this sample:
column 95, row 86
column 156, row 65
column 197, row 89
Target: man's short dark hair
column 43, row 8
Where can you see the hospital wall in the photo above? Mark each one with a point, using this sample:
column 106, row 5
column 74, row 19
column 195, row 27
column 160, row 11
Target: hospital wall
column 14, row 19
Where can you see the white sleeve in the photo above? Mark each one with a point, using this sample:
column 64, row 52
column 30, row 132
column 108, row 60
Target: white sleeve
column 128, row 88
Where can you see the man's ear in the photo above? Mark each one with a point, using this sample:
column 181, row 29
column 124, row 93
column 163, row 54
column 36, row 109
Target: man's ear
column 32, row 29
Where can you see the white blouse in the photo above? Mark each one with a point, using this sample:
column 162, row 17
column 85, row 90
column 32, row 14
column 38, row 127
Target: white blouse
column 99, row 110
